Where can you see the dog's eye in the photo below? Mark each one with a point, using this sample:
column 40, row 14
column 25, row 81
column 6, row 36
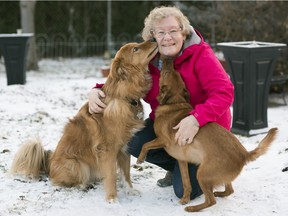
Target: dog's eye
column 135, row 49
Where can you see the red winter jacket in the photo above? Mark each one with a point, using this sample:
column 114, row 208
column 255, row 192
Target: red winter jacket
column 211, row 91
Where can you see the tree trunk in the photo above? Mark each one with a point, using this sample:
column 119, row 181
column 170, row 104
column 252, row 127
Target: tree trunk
column 27, row 9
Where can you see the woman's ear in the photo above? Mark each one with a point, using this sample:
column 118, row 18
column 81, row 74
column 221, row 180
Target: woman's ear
column 184, row 38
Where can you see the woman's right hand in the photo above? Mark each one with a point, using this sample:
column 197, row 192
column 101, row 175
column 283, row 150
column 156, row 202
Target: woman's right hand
column 94, row 101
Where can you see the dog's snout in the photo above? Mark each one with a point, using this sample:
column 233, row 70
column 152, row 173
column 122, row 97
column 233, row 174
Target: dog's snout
column 152, row 40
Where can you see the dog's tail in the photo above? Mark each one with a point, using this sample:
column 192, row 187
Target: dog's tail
column 31, row 160
column 263, row 145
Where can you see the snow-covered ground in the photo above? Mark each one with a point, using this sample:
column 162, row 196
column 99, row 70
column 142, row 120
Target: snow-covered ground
column 42, row 107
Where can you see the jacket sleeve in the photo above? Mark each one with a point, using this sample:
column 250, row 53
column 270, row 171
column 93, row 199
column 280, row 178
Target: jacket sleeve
column 217, row 87
column 99, row 85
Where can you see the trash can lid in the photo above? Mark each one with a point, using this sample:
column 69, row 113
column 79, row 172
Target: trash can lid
column 16, row 35
column 251, row 44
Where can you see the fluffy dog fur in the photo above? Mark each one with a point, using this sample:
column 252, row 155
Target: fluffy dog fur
column 94, row 144
column 218, row 153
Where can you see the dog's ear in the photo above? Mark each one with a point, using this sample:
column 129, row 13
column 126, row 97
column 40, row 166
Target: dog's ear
column 164, row 95
column 118, row 70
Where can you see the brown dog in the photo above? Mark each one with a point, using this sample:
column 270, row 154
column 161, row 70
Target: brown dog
column 219, row 154
column 93, row 145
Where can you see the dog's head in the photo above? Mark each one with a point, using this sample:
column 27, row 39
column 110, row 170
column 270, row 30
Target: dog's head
column 172, row 87
column 135, row 55
column 130, row 68
column 132, row 60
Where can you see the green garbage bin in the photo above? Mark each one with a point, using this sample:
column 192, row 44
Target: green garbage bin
column 250, row 65
column 13, row 47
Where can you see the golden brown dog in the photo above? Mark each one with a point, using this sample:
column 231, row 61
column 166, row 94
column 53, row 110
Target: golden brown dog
column 93, row 145
column 218, row 153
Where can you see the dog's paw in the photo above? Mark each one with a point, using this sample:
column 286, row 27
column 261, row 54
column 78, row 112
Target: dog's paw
column 141, row 158
column 129, row 190
column 139, row 161
column 184, row 200
column 190, row 209
column 111, row 199
column 132, row 192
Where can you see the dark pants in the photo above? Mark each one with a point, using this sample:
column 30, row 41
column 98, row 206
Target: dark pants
column 160, row 158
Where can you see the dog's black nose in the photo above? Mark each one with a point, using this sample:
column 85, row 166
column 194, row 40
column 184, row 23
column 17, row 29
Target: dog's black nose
column 152, row 40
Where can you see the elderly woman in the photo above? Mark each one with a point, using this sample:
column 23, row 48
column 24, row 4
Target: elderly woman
column 211, row 91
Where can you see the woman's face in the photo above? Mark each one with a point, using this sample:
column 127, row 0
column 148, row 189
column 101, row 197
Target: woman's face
column 169, row 37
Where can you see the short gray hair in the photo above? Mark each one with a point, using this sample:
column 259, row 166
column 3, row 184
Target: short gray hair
column 162, row 12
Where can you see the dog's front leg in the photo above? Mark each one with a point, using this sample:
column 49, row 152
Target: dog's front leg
column 124, row 166
column 154, row 144
column 123, row 160
column 183, row 165
column 109, row 174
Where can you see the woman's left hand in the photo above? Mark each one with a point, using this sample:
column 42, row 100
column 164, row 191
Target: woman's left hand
column 187, row 129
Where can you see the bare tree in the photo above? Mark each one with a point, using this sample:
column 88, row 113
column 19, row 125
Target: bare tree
column 27, row 9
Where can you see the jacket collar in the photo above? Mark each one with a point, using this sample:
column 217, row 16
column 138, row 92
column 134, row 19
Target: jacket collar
column 192, row 39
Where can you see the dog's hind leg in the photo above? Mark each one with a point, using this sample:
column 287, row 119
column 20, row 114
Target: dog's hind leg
column 209, row 198
column 183, row 165
column 205, row 179
column 228, row 190
column 69, row 173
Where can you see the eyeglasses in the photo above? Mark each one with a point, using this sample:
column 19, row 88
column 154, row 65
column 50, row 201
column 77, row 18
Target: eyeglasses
column 161, row 34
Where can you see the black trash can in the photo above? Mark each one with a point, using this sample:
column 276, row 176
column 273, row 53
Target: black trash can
column 14, row 48
column 250, row 65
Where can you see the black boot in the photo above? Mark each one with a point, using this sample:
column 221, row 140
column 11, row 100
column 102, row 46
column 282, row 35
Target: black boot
column 166, row 181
